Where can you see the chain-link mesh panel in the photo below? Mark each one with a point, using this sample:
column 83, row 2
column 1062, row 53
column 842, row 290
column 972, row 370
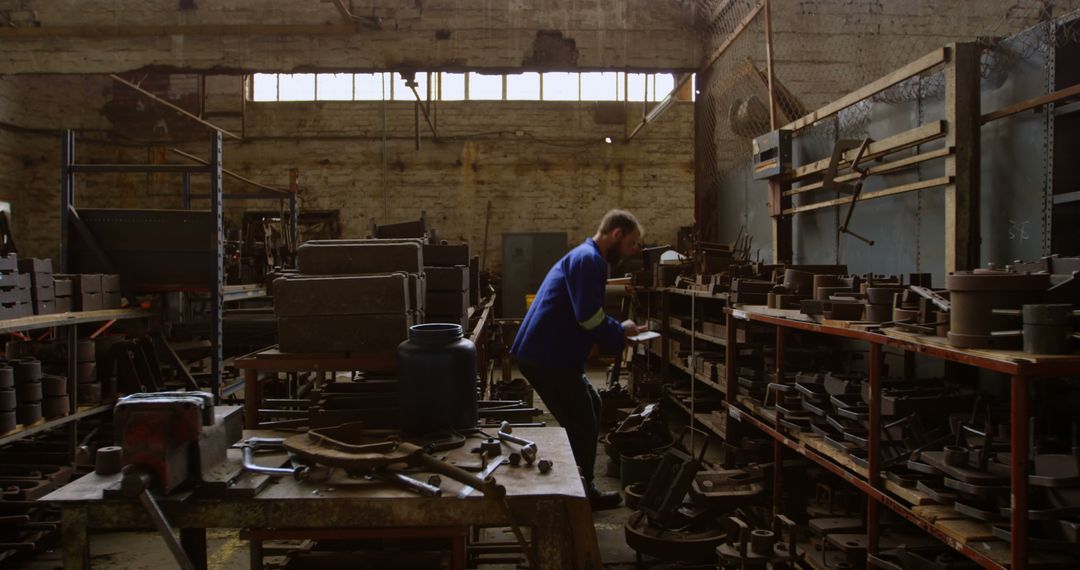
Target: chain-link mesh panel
column 825, row 49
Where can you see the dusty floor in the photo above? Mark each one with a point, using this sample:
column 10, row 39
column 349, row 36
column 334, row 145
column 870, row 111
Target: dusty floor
column 225, row 551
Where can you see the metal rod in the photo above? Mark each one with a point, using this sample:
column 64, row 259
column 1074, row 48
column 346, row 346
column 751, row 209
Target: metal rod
column 666, row 101
column 137, row 168
column 230, row 173
column 217, row 289
column 769, row 66
column 165, row 530
column 173, row 106
column 67, row 194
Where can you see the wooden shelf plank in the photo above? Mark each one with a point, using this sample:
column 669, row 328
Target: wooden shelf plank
column 82, row 412
column 73, row 318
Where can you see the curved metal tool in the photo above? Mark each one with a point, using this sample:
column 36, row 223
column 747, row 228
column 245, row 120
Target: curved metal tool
column 529, row 450
column 251, row 445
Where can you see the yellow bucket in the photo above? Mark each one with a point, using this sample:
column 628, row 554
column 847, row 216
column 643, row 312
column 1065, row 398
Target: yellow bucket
column 529, row 301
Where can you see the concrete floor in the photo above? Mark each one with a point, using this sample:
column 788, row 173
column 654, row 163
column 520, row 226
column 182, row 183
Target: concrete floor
column 146, row 551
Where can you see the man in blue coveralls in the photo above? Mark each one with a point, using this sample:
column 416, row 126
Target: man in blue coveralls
column 564, row 322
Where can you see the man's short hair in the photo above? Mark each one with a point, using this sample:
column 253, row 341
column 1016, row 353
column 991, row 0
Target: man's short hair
column 619, row 220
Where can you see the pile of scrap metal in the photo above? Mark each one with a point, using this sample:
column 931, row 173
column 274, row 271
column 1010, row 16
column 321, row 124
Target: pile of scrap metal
column 634, row 446
column 971, row 473
column 838, row 536
column 684, row 510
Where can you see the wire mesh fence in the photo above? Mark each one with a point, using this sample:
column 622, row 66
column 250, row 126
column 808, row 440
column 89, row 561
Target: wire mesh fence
column 824, row 49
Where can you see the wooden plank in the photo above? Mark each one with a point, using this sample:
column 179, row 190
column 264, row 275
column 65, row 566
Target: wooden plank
column 905, row 140
column 922, row 185
column 72, row 318
column 966, row 530
column 935, row 513
column 928, row 61
column 1033, row 103
column 962, row 100
column 877, row 170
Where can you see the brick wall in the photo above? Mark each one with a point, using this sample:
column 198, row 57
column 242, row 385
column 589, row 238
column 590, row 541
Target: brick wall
column 544, row 166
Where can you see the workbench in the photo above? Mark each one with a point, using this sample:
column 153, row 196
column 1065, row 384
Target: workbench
column 554, row 506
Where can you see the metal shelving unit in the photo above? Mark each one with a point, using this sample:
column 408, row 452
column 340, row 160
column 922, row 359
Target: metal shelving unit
column 1021, row 368
column 219, row 294
column 68, row 322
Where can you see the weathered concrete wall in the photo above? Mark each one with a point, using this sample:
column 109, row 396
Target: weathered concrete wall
column 99, row 36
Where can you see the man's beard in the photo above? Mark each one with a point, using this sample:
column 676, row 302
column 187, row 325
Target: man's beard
column 613, row 255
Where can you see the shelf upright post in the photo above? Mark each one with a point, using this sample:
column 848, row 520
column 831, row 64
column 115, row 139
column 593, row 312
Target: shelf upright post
column 778, row 446
column 67, row 193
column 665, row 334
column 1018, row 471
column 217, row 288
column 873, row 507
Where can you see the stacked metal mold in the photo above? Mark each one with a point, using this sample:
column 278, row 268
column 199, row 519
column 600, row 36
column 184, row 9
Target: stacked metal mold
column 971, row 473
column 1028, row 305
column 834, row 406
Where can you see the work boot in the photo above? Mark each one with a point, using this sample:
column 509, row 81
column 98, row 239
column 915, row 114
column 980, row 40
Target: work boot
column 602, row 500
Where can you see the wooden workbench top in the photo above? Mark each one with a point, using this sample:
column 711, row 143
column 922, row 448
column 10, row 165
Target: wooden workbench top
column 520, row 482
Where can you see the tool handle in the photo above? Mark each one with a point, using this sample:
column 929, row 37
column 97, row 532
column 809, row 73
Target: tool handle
column 487, row 486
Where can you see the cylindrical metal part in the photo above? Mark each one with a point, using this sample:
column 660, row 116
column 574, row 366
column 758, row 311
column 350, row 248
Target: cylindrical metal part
column 28, row 392
column 1047, row 328
column 975, row 296
column 52, row 385
column 7, row 377
column 8, row 421
column 27, row 370
column 7, row 400
column 28, row 413
column 89, row 393
column 86, row 372
column 108, row 460
column 55, row 407
column 762, row 541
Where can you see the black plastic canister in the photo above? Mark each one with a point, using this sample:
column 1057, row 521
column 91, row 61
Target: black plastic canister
column 437, row 379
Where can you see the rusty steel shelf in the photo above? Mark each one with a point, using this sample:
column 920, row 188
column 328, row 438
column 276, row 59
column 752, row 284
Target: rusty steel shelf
column 1021, row 368
column 738, row 414
column 67, row 319
column 1008, row 362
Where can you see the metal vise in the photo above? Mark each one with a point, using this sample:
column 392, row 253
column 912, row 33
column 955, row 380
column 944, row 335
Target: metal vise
column 173, row 436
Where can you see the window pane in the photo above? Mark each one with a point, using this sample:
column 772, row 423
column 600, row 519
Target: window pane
column 635, row 87
column 561, row 86
column 334, row 86
column 369, row 86
column 264, row 87
column 402, row 91
column 485, row 87
column 297, row 87
column 523, row 86
column 453, row 86
column 598, row 86
column 665, row 82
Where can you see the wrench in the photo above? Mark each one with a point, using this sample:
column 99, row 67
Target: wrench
column 251, row 445
column 528, row 448
column 492, row 465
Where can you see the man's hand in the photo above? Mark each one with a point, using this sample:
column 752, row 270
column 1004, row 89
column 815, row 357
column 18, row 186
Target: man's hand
column 630, row 328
